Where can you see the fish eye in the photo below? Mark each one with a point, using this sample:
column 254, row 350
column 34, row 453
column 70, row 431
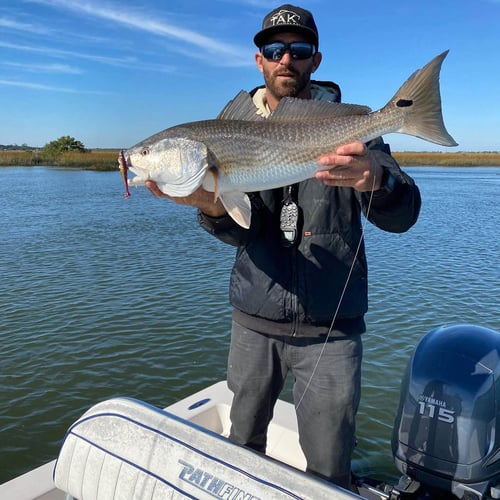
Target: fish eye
column 145, row 152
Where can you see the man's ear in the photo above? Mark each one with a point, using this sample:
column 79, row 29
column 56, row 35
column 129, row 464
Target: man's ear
column 317, row 58
column 258, row 61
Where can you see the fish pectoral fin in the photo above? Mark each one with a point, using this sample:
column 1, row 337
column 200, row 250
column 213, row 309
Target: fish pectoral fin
column 215, row 178
column 237, row 205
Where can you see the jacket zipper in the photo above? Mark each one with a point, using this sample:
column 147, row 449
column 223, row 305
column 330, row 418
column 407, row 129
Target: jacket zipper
column 295, row 300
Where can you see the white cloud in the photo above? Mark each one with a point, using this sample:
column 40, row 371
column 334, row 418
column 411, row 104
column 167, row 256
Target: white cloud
column 142, row 22
column 50, row 88
column 53, row 52
column 11, row 24
column 122, row 62
column 44, row 68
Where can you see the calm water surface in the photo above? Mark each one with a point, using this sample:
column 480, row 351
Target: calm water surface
column 104, row 297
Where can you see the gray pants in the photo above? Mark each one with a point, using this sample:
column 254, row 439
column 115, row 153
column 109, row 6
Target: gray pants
column 327, row 390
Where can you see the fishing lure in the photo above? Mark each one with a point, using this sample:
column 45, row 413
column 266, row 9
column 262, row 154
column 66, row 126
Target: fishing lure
column 122, row 162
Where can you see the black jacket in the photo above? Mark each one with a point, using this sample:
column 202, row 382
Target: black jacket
column 298, row 290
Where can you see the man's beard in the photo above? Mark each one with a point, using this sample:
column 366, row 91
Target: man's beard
column 287, row 88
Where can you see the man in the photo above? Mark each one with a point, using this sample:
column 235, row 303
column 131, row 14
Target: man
column 299, row 282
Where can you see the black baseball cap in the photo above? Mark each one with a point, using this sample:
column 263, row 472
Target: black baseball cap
column 287, row 18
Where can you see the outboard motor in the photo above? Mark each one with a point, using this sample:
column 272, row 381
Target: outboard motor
column 446, row 438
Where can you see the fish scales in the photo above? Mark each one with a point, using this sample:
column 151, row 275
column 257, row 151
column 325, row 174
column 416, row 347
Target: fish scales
column 264, row 155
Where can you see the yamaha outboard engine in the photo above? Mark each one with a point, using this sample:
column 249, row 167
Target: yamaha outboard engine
column 446, row 437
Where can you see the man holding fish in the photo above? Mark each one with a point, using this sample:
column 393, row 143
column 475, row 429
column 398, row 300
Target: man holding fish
column 299, row 282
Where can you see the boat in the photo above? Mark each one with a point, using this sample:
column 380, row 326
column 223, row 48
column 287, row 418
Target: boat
column 180, row 450
column 446, row 441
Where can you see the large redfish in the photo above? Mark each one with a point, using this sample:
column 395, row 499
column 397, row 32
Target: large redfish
column 241, row 151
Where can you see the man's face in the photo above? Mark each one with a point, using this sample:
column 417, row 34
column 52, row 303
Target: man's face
column 287, row 77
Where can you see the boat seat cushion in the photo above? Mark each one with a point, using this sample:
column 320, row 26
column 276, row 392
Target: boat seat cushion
column 124, row 448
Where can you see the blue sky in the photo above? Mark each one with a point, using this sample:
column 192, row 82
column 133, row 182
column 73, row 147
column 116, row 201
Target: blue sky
column 111, row 73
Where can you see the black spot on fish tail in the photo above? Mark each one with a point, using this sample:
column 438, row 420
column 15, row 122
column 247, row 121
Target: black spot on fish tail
column 404, row 103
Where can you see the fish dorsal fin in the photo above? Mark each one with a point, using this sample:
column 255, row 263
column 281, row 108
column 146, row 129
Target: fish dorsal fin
column 293, row 109
column 289, row 109
column 240, row 108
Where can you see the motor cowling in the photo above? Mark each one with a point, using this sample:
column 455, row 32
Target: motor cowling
column 447, row 430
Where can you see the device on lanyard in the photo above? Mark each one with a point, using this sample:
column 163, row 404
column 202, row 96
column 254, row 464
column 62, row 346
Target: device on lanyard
column 289, row 218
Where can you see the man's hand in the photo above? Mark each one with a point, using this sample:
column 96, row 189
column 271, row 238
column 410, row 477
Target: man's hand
column 204, row 200
column 352, row 166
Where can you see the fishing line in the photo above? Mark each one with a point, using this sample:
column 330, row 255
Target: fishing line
column 362, row 237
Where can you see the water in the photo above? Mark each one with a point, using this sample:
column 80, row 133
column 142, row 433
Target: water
column 104, row 297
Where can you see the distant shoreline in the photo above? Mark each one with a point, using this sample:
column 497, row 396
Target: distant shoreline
column 438, row 159
column 107, row 159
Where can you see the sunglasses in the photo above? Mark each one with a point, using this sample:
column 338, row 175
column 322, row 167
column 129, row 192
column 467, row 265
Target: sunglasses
column 298, row 50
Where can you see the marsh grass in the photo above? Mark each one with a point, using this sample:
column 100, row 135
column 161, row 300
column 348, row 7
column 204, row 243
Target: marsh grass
column 107, row 159
column 101, row 159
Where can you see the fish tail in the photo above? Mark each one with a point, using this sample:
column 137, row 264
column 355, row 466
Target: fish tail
column 420, row 98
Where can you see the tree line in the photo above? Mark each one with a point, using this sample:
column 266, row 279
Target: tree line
column 64, row 144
